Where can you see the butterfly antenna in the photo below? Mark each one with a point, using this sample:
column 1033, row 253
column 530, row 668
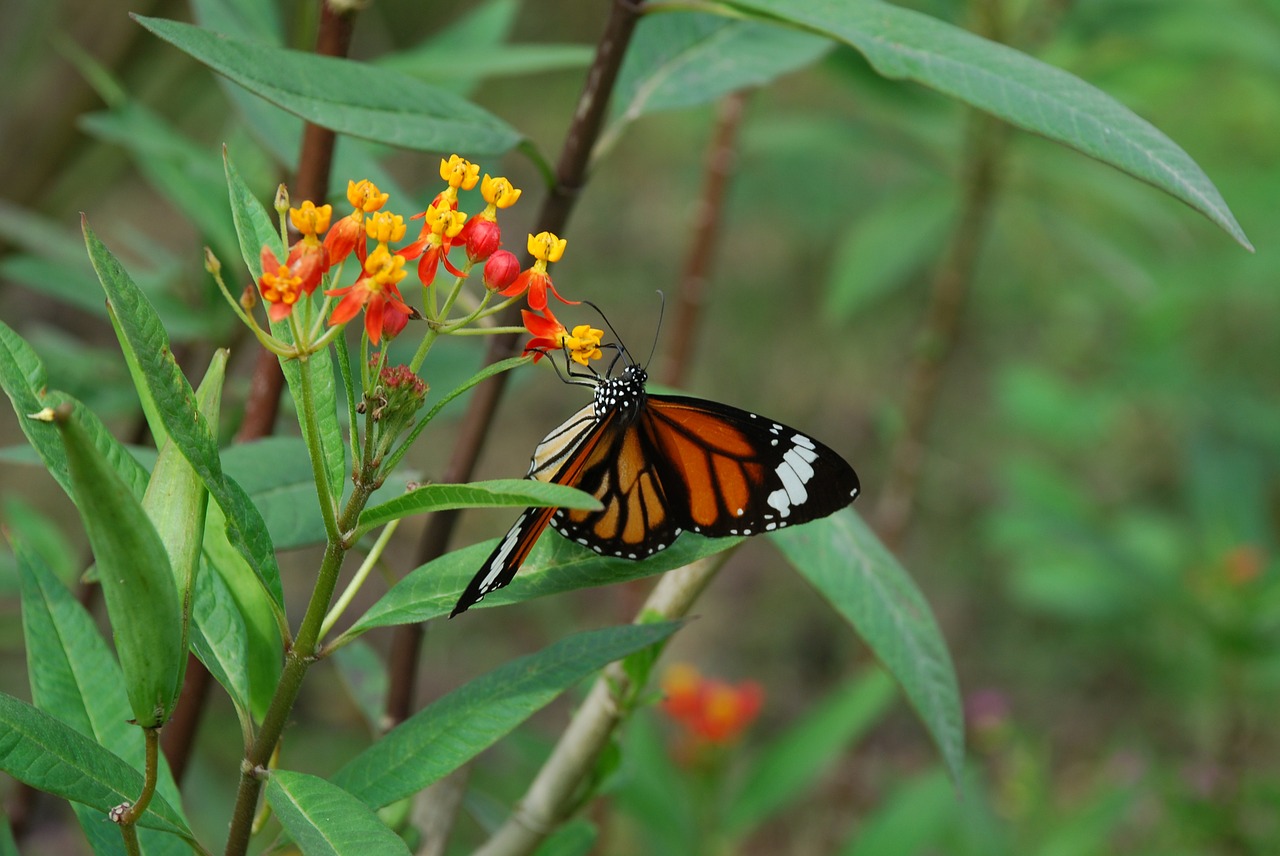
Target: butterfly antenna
column 622, row 349
column 662, row 307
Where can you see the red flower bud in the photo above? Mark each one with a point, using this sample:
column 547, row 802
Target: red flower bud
column 501, row 270
column 482, row 237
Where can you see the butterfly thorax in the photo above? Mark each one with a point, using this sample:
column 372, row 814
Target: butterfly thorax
column 624, row 395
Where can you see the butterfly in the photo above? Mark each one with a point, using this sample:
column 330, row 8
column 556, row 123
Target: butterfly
column 666, row 464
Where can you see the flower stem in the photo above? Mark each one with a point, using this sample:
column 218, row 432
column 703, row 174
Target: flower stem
column 253, row 768
column 315, row 448
column 353, row 587
column 128, row 817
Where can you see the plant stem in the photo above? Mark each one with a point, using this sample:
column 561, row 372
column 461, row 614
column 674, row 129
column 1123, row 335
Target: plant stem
column 555, row 790
column 298, row 659
column 950, row 290
column 315, row 449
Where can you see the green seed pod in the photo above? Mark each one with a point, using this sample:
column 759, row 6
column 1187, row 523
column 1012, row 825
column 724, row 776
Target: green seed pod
column 176, row 500
column 137, row 582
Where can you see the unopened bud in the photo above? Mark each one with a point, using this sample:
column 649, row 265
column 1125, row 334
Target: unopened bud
column 501, row 270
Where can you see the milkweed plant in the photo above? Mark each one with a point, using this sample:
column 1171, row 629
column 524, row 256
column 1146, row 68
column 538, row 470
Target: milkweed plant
column 186, row 555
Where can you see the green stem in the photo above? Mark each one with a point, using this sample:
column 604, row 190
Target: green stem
column 315, row 448
column 344, row 365
column 253, row 768
column 353, row 588
column 428, row 340
column 128, row 819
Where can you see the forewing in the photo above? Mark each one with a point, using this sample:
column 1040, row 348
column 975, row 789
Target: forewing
column 731, row 472
column 560, row 459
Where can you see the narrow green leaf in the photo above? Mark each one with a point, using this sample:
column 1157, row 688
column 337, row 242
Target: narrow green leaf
column 264, row 646
column 180, row 169
column 175, row 404
column 348, row 97
column 916, row 817
column 255, row 228
column 881, row 249
column 23, row 379
column 445, row 735
column 485, row 494
column 905, row 44
column 556, row 565
column 325, row 820
column 137, row 581
column 220, row 639
column 575, row 838
column 364, row 675
column 845, row 561
column 39, row 750
column 793, row 762
column 689, row 59
column 72, row 673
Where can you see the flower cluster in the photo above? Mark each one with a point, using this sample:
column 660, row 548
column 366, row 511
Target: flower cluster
column 370, row 233
column 712, row 712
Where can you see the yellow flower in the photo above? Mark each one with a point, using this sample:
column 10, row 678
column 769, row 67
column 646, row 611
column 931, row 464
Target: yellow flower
column 311, row 220
column 385, row 227
column 546, row 247
column 583, row 344
column 365, row 196
column 498, row 192
column 445, row 221
column 459, row 172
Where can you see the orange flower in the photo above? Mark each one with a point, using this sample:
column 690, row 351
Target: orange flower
column 349, row 233
column 582, row 344
column 713, row 712
column 376, row 292
column 440, row 225
column 545, row 248
column 280, row 286
column 308, row 257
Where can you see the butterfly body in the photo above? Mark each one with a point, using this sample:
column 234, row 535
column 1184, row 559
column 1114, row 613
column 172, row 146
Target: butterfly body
column 665, row 464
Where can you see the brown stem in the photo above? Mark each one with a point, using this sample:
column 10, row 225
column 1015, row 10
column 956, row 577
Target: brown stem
column 562, row 195
column 690, row 294
column 312, row 182
column 950, row 290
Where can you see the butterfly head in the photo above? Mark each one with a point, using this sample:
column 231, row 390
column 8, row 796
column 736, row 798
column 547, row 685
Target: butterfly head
column 624, row 394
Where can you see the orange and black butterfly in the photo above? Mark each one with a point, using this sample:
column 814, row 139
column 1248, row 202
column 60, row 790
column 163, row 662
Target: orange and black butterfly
column 665, row 464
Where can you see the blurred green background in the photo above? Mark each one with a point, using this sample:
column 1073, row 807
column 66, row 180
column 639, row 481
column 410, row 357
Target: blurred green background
column 1096, row 528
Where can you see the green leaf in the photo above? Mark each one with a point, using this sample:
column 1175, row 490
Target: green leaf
column 445, row 735
column 72, row 672
column 575, row 838
column 220, row 639
column 883, row 247
column 793, row 762
column 556, row 565
column 905, row 44
column 23, row 378
column 137, row 581
column 325, row 820
column 175, row 404
column 180, row 169
column 914, row 818
column 845, row 561
column 264, row 645
column 348, row 97
column 39, row 750
column 497, row 493
column 689, row 59
column 364, row 676
column 255, row 228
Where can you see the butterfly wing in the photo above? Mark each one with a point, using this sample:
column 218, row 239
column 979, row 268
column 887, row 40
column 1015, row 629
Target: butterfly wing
column 559, row 459
column 691, row 464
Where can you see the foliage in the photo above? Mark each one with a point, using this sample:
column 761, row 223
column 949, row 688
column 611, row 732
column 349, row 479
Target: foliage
column 1096, row 527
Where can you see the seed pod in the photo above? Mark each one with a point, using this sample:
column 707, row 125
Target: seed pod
column 176, row 500
column 137, row 582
